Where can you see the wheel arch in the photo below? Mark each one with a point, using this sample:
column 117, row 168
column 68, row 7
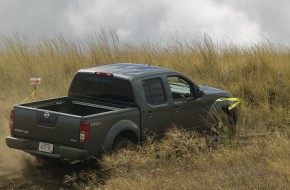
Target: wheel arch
column 125, row 128
column 217, row 107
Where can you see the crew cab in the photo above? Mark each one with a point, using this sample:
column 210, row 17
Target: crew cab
column 111, row 106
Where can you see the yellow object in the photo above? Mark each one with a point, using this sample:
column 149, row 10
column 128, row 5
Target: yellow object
column 31, row 96
column 236, row 101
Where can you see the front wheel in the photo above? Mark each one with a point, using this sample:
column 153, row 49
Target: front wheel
column 223, row 129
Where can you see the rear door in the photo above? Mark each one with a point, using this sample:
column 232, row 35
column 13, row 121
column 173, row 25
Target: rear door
column 156, row 116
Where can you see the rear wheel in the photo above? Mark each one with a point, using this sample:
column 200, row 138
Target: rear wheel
column 122, row 143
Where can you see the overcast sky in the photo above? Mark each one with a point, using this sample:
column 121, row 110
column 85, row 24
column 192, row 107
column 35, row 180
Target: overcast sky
column 241, row 21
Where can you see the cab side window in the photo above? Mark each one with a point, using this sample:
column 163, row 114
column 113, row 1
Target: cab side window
column 179, row 87
column 154, row 91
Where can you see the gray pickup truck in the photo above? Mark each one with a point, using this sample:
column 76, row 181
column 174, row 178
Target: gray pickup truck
column 109, row 107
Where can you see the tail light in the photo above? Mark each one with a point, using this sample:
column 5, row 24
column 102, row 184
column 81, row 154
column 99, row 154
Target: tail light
column 104, row 74
column 11, row 126
column 84, row 131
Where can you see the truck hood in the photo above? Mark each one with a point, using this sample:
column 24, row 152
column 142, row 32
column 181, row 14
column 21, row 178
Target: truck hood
column 215, row 91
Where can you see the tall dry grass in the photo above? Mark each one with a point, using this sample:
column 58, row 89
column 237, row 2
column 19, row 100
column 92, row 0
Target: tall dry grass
column 184, row 161
column 259, row 75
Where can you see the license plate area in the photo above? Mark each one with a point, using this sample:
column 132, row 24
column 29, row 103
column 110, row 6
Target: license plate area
column 45, row 147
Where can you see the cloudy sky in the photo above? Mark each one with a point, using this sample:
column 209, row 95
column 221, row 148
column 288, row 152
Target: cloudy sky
column 246, row 21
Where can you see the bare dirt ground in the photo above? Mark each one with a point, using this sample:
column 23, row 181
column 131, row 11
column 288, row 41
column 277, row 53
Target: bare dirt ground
column 19, row 170
column 25, row 172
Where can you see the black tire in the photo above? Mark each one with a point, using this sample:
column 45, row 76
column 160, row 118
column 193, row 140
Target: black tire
column 122, row 143
column 223, row 129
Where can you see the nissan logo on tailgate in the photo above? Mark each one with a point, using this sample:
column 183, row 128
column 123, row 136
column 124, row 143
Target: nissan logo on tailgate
column 46, row 115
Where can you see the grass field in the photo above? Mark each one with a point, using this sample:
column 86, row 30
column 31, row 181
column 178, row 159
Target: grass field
column 257, row 159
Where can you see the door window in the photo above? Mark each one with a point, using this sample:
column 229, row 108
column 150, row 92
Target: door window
column 154, row 91
column 179, row 87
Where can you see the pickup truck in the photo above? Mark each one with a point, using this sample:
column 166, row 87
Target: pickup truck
column 109, row 107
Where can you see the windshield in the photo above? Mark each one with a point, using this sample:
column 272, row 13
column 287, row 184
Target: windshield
column 102, row 87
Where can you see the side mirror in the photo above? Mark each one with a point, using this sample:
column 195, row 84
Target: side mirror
column 199, row 93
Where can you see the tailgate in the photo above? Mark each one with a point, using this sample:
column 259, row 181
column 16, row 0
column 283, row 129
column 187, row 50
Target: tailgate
column 46, row 126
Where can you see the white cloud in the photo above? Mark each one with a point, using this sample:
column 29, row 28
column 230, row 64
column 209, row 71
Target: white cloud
column 38, row 17
column 129, row 18
column 271, row 16
column 138, row 20
column 210, row 17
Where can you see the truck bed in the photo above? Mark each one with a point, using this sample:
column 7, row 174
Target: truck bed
column 57, row 121
column 72, row 107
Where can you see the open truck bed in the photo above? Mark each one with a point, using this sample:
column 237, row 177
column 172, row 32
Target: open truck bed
column 70, row 106
column 59, row 124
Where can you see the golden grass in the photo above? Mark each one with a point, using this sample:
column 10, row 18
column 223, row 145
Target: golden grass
column 187, row 163
column 259, row 75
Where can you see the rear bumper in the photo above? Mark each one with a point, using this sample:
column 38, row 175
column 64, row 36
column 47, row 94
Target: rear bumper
column 59, row 151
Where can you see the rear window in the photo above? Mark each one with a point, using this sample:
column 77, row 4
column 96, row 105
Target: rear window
column 102, row 87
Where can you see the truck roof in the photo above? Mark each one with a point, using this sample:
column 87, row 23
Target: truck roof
column 127, row 70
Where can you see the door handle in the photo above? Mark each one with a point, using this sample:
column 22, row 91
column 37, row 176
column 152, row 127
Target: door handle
column 149, row 114
column 176, row 108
